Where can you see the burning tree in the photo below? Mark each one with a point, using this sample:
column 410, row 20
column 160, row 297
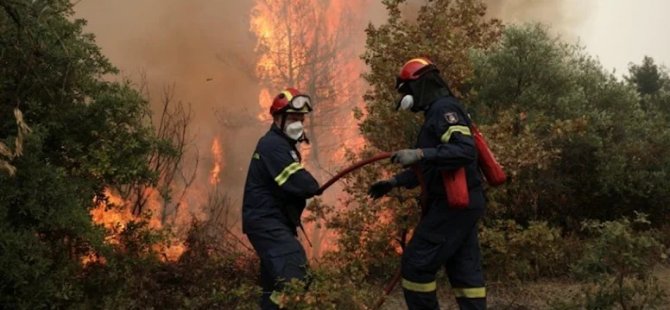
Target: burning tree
column 309, row 44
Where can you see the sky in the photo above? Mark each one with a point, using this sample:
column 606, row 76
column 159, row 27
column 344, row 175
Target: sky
column 623, row 31
column 616, row 32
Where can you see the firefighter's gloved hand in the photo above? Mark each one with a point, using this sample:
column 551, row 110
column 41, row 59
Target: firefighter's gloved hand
column 381, row 188
column 407, row 157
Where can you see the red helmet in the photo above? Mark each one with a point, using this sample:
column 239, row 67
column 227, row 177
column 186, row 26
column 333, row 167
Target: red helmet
column 291, row 100
column 413, row 69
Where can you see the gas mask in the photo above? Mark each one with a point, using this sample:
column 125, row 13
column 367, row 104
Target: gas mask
column 294, row 130
column 405, row 103
column 417, row 95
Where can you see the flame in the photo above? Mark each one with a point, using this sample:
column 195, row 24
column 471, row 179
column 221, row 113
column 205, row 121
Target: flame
column 214, row 174
column 317, row 53
column 314, row 54
column 114, row 214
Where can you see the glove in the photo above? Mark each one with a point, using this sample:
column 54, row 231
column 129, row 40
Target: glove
column 407, row 157
column 380, row 188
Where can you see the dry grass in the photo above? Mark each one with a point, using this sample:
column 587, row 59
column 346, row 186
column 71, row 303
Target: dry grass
column 525, row 296
column 534, row 295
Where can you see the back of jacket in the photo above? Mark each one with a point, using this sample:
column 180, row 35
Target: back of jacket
column 447, row 144
column 446, row 130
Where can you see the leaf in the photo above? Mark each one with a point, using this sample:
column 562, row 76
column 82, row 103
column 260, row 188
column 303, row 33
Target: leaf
column 5, row 151
column 23, row 126
column 4, row 165
column 18, row 145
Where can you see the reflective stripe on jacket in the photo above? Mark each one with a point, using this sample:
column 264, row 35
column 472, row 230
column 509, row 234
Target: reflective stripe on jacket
column 277, row 184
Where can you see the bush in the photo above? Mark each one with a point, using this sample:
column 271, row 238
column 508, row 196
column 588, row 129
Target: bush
column 618, row 264
column 329, row 288
column 512, row 252
column 211, row 273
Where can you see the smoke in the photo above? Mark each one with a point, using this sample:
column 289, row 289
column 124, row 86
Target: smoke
column 616, row 32
column 200, row 47
column 205, row 50
column 564, row 17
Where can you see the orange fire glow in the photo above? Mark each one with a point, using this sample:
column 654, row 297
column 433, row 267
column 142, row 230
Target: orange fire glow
column 316, row 54
column 214, row 174
column 115, row 215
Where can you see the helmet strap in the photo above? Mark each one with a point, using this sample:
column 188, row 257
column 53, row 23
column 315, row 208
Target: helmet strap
column 283, row 121
column 304, row 138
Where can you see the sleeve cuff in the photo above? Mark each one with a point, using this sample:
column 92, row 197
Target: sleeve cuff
column 429, row 153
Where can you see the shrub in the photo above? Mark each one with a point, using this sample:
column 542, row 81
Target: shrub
column 618, row 263
column 512, row 252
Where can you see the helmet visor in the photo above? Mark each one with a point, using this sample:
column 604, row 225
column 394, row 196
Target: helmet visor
column 300, row 103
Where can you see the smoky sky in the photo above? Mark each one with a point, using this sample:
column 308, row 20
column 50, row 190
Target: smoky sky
column 205, row 50
column 201, row 48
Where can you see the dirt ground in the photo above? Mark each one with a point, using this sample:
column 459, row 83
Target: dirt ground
column 525, row 296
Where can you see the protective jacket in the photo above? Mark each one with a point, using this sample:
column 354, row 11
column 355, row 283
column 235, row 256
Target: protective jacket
column 277, row 185
column 447, row 144
column 445, row 236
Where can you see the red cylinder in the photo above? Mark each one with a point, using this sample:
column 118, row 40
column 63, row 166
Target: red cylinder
column 492, row 170
column 456, row 187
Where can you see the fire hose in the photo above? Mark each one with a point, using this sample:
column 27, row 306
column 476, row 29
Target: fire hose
column 342, row 173
column 353, row 167
column 455, row 183
column 396, row 278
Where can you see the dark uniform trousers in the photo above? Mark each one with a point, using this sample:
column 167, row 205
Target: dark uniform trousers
column 282, row 259
column 446, row 238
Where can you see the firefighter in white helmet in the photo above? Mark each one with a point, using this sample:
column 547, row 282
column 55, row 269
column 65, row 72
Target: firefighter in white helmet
column 275, row 194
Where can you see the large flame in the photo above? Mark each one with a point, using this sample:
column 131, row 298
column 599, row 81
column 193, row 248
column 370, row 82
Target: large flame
column 114, row 213
column 314, row 46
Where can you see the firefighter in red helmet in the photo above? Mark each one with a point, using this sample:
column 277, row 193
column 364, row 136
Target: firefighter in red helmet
column 446, row 235
column 275, row 194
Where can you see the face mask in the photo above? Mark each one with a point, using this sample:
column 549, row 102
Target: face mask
column 406, row 103
column 294, row 130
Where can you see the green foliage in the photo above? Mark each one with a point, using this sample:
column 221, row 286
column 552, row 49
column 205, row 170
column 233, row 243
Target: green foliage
column 87, row 135
column 618, row 261
column 210, row 274
column 527, row 162
column 329, row 288
column 574, row 139
column 6, row 153
column 512, row 252
column 370, row 232
column 528, row 69
column 45, row 229
column 444, row 31
column 577, row 143
column 647, row 77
